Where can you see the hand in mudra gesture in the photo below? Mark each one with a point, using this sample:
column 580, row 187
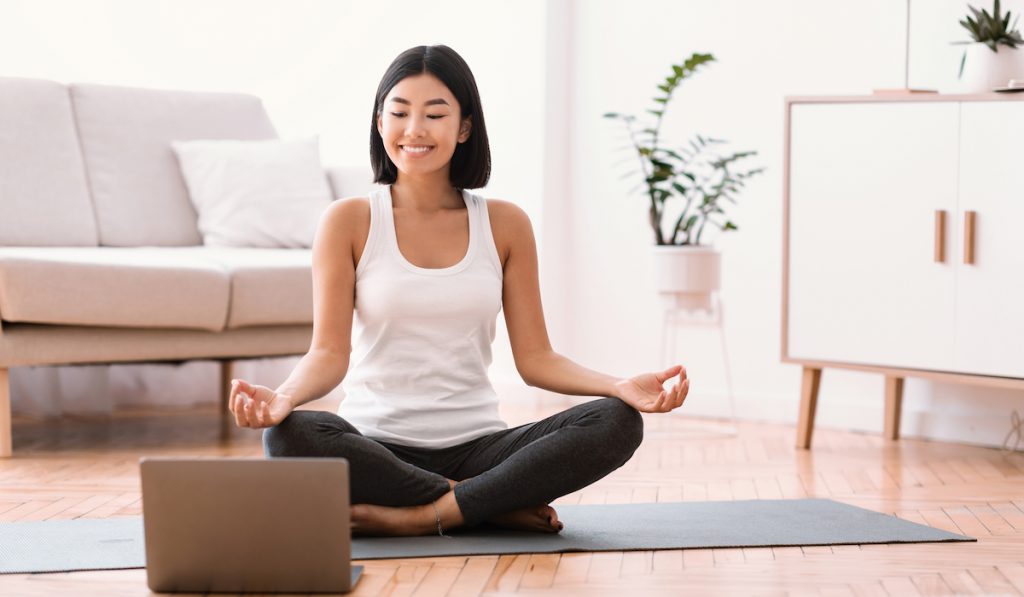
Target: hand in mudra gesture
column 646, row 393
column 257, row 406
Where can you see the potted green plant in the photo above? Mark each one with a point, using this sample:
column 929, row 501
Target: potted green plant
column 697, row 180
column 990, row 59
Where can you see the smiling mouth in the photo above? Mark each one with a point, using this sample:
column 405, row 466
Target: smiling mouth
column 417, row 149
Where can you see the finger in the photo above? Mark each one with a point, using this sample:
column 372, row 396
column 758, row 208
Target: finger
column 264, row 415
column 656, row 406
column 683, row 391
column 667, row 374
column 682, row 373
column 670, row 402
column 233, row 395
column 250, row 415
column 670, row 397
column 239, row 410
column 674, row 402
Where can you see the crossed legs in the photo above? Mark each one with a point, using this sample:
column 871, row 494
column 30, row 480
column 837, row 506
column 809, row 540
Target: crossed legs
column 507, row 477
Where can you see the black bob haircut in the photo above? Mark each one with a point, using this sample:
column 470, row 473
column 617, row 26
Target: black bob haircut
column 471, row 162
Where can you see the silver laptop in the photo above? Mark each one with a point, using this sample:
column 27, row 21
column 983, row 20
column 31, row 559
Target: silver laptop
column 246, row 525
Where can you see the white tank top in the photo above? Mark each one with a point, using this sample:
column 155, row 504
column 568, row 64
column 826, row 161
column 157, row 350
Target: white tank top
column 420, row 359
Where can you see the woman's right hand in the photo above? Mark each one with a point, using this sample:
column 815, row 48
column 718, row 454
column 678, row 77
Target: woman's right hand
column 257, row 406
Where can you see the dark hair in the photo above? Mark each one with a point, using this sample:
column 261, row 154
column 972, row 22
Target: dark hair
column 471, row 163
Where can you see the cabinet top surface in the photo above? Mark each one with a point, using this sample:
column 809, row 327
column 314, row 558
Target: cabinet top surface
column 906, row 97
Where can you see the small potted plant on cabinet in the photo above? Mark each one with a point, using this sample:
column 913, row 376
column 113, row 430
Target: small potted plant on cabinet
column 701, row 178
column 991, row 58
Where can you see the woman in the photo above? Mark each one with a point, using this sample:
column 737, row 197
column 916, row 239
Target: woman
column 427, row 266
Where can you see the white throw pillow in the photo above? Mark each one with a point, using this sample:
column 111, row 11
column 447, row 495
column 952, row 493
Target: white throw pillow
column 255, row 193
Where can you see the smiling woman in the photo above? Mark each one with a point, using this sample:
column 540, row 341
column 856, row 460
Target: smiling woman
column 427, row 266
column 439, row 125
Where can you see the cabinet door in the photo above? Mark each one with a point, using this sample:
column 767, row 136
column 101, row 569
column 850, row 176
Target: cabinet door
column 865, row 181
column 990, row 293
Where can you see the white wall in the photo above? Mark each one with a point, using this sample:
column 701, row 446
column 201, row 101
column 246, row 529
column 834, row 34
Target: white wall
column 765, row 51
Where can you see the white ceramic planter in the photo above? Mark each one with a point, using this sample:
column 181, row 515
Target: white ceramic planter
column 685, row 276
column 985, row 70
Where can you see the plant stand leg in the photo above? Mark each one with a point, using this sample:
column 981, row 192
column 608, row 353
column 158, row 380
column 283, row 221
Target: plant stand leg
column 6, row 431
column 226, row 418
column 893, row 407
column 808, row 403
column 725, row 357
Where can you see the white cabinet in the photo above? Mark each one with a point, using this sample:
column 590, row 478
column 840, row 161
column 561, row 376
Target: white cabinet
column 865, row 181
column 904, row 243
column 989, row 321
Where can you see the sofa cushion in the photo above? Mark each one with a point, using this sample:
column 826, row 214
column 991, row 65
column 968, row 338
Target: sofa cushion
column 350, row 181
column 267, row 194
column 104, row 286
column 43, row 188
column 268, row 286
column 137, row 187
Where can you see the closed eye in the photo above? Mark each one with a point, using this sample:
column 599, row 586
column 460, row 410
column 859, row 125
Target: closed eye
column 431, row 116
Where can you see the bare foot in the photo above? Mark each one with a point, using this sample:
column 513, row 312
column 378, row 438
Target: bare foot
column 535, row 518
column 368, row 519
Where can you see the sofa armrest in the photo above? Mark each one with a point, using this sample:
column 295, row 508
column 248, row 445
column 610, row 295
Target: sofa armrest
column 350, row 181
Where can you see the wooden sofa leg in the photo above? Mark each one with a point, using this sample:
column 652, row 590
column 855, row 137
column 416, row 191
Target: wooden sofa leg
column 227, row 368
column 893, row 407
column 6, row 441
column 808, row 403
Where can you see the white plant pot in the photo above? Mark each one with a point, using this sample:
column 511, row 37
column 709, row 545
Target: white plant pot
column 985, row 70
column 685, row 276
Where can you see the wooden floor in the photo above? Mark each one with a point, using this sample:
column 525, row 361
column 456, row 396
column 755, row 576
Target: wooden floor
column 89, row 468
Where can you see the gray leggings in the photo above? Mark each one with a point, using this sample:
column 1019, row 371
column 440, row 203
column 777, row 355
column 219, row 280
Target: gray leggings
column 515, row 468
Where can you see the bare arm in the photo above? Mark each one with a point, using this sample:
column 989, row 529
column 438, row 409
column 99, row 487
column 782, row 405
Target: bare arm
column 537, row 363
column 325, row 364
column 556, row 373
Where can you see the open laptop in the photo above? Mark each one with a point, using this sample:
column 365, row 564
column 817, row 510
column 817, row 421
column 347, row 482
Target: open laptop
column 247, row 525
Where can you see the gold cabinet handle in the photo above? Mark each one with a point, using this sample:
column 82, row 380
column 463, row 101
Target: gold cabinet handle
column 940, row 235
column 969, row 217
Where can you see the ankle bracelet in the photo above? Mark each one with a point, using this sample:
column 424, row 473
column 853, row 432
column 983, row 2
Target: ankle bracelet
column 437, row 517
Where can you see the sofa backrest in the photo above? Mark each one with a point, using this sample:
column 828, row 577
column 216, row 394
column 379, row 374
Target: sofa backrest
column 44, row 195
column 138, row 192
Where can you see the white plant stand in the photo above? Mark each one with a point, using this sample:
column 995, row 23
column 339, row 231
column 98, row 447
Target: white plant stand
column 670, row 322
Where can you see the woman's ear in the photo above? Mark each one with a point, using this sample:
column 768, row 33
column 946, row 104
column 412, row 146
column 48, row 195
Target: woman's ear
column 380, row 124
column 465, row 129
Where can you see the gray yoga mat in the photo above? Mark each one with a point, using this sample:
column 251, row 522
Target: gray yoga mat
column 117, row 543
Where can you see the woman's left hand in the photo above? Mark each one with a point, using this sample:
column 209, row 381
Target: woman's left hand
column 646, row 393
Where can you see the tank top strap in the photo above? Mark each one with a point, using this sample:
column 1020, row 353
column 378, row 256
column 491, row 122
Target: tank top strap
column 376, row 238
column 485, row 238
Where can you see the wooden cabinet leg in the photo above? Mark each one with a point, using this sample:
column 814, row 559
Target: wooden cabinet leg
column 808, row 402
column 893, row 406
column 6, row 433
column 226, row 419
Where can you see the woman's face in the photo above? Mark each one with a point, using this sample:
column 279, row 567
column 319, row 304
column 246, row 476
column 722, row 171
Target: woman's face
column 420, row 124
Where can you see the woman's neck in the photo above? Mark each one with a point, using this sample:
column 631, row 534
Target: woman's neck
column 426, row 194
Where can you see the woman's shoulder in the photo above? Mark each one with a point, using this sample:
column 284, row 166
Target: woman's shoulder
column 510, row 225
column 347, row 222
column 506, row 214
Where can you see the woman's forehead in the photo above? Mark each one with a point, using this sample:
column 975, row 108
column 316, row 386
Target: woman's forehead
column 421, row 89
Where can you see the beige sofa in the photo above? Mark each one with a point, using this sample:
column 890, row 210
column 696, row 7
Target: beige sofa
column 100, row 257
